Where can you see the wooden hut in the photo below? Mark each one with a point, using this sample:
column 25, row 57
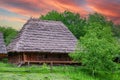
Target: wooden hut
column 3, row 51
column 42, row 41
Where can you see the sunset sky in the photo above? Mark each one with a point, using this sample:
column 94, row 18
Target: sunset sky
column 14, row 13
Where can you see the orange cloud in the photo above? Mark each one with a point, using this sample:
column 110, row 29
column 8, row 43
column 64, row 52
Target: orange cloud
column 14, row 22
column 109, row 8
column 62, row 5
column 35, row 8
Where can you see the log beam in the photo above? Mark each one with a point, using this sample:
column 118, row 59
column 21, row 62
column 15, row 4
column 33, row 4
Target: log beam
column 52, row 62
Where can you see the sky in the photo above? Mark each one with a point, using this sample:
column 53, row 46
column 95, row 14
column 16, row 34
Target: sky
column 14, row 13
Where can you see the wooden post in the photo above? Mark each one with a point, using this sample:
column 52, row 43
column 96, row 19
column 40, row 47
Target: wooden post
column 28, row 63
column 19, row 57
column 24, row 57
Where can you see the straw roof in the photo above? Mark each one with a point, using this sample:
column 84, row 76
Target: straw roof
column 43, row 36
column 2, row 45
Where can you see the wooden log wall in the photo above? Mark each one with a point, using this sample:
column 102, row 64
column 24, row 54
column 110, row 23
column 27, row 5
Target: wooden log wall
column 3, row 56
column 15, row 58
column 47, row 57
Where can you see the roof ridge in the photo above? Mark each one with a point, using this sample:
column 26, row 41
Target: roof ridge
column 37, row 19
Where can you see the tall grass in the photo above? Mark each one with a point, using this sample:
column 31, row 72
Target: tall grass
column 44, row 72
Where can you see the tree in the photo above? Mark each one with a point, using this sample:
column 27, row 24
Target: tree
column 9, row 33
column 96, row 17
column 72, row 20
column 97, row 48
column 116, row 30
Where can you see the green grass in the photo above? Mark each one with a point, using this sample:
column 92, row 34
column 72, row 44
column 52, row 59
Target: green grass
column 10, row 72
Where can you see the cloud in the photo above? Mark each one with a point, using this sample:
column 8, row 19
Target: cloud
column 70, row 5
column 37, row 7
column 27, row 8
column 11, row 19
column 24, row 7
column 16, row 23
column 109, row 8
column 22, row 10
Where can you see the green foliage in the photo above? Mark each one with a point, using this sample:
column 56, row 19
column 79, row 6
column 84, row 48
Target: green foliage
column 116, row 30
column 72, row 20
column 97, row 18
column 97, row 48
column 5, row 60
column 104, row 22
column 8, row 33
column 53, row 15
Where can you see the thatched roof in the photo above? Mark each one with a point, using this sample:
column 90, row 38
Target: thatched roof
column 2, row 45
column 43, row 36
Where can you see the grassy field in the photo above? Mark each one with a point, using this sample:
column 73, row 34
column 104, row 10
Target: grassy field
column 10, row 72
